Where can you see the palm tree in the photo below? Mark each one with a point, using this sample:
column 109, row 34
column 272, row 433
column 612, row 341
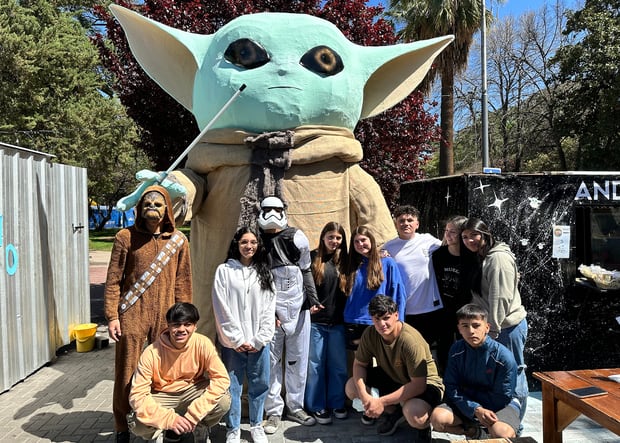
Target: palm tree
column 423, row 19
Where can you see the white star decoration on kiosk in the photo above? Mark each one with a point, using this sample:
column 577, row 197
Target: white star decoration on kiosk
column 498, row 202
column 481, row 187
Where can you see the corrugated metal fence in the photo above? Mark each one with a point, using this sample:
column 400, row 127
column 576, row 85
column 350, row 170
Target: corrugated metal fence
column 44, row 286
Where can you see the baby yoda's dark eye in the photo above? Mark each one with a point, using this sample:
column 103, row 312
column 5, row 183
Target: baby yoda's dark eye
column 246, row 53
column 322, row 60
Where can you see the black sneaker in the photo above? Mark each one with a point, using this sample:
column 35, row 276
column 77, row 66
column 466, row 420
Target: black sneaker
column 422, row 435
column 368, row 421
column 122, row 437
column 172, row 437
column 476, row 432
column 322, row 417
column 341, row 413
column 388, row 423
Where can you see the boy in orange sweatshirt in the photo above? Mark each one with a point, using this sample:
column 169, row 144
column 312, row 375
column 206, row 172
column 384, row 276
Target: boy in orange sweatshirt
column 180, row 385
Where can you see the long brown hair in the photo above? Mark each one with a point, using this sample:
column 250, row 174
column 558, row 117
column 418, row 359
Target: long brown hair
column 260, row 261
column 375, row 269
column 477, row 225
column 339, row 257
column 457, row 222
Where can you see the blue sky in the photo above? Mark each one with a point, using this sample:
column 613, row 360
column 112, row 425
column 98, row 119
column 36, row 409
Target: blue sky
column 510, row 7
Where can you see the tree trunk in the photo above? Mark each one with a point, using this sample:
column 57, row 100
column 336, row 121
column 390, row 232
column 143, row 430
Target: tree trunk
column 561, row 156
column 446, row 150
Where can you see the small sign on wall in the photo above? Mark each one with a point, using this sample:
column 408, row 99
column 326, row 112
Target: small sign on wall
column 561, row 241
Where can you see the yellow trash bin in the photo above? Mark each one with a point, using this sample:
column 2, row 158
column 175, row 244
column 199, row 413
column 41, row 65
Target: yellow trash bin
column 85, row 336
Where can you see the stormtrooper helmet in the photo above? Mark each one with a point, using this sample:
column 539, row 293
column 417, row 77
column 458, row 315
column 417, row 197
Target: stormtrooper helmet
column 272, row 214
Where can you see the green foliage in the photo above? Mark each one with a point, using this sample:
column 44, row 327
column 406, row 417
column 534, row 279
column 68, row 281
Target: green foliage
column 51, row 97
column 590, row 100
column 101, row 240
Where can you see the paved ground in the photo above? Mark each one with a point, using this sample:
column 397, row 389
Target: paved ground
column 70, row 401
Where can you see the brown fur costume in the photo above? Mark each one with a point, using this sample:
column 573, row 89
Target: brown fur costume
column 135, row 248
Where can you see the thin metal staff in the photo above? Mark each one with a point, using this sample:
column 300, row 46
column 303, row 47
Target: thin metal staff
column 164, row 174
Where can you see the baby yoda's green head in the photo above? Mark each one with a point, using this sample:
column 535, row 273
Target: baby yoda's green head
column 298, row 69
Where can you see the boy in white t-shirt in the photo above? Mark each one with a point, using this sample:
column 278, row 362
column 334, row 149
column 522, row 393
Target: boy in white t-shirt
column 412, row 252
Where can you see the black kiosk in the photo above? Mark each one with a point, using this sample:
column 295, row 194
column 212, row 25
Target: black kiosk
column 553, row 222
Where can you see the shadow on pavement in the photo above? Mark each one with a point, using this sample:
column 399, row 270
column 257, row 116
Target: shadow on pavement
column 70, row 427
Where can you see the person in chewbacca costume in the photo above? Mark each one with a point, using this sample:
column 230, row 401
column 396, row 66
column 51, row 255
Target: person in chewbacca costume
column 149, row 271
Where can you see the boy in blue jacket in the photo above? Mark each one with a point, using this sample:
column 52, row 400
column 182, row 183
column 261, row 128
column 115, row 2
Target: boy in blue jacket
column 480, row 382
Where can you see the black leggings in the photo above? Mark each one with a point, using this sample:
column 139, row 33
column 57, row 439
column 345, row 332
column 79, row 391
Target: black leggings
column 436, row 327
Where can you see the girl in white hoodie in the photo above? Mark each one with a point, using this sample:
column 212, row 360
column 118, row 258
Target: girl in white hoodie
column 244, row 307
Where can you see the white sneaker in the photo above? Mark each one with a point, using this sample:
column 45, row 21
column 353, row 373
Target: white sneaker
column 271, row 424
column 258, row 434
column 300, row 416
column 233, row 436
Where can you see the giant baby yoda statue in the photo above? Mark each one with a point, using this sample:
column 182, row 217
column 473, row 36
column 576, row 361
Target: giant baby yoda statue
column 290, row 133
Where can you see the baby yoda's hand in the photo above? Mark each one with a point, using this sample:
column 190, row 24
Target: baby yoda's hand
column 149, row 178
column 169, row 182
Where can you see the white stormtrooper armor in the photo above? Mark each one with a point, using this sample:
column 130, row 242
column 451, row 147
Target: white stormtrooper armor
column 272, row 214
column 289, row 252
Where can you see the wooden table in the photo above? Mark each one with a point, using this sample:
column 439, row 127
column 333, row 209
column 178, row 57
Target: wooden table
column 560, row 407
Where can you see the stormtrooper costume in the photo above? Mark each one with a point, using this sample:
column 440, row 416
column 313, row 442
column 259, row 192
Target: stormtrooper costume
column 289, row 252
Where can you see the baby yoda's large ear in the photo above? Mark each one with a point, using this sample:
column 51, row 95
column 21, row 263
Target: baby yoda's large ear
column 398, row 70
column 169, row 56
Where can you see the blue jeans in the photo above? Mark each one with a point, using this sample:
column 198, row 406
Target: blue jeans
column 327, row 368
column 256, row 366
column 514, row 339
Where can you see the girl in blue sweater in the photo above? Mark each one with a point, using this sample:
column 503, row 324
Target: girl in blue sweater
column 369, row 274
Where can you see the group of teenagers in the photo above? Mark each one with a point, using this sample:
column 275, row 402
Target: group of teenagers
column 327, row 324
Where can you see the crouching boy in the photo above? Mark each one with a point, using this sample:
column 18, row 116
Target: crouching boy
column 480, row 382
column 180, row 386
column 405, row 376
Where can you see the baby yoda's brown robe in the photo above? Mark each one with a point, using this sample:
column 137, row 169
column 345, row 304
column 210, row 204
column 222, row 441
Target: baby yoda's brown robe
column 324, row 184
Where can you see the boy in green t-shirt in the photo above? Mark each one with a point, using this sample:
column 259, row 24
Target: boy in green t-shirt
column 405, row 376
